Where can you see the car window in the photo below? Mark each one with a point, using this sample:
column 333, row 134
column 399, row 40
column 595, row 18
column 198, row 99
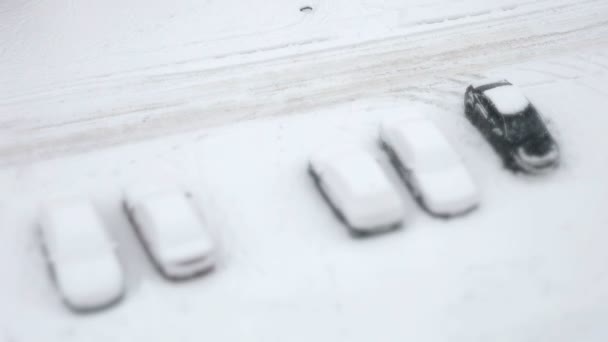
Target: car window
column 482, row 106
column 499, row 121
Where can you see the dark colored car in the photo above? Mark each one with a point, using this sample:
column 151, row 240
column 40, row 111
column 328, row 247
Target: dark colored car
column 512, row 125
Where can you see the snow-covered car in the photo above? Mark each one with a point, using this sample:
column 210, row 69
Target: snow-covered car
column 357, row 190
column 512, row 125
column 430, row 167
column 81, row 256
column 171, row 231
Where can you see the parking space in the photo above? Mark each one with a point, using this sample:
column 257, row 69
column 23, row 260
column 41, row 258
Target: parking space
column 534, row 246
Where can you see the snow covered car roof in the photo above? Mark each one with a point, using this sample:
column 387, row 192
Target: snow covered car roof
column 173, row 229
column 508, row 99
column 435, row 169
column 450, row 192
column 420, row 144
column 359, row 187
column 357, row 170
column 73, row 228
column 86, row 267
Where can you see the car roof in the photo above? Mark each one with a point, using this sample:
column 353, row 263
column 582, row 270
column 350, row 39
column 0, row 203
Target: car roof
column 421, row 142
column 358, row 185
column 358, row 171
column 170, row 217
column 73, row 225
column 508, row 99
column 423, row 135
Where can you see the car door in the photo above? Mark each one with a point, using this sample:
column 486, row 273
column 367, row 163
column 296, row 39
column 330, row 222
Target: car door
column 481, row 107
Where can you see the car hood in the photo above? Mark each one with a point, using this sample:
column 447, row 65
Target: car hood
column 447, row 192
column 89, row 284
column 375, row 212
column 184, row 253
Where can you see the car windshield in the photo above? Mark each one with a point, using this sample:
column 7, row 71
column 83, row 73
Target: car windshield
column 520, row 127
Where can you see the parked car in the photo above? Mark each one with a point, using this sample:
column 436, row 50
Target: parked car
column 81, row 256
column 512, row 125
column 430, row 167
column 357, row 190
column 171, row 231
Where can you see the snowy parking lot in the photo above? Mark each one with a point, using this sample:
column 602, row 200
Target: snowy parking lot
column 96, row 97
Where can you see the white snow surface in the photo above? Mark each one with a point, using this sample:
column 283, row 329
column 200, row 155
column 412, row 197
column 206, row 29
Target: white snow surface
column 509, row 100
column 356, row 183
column 108, row 77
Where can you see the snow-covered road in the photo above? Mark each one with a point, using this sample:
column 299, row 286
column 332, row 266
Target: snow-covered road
column 57, row 106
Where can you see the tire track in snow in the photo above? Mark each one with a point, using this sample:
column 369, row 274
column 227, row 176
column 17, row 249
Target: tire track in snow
column 201, row 98
column 373, row 46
